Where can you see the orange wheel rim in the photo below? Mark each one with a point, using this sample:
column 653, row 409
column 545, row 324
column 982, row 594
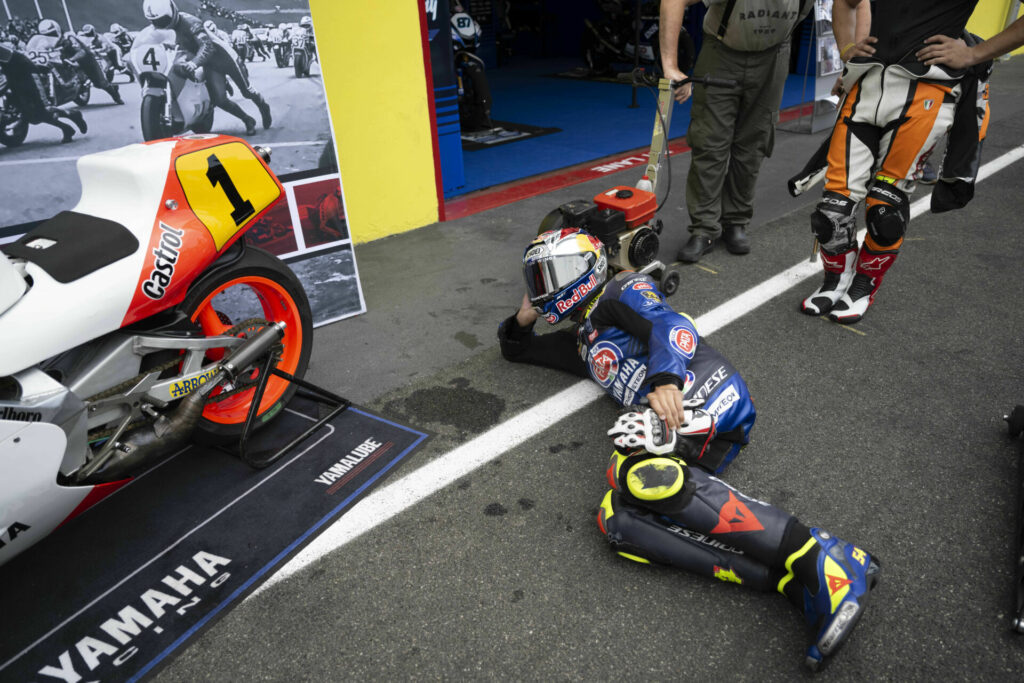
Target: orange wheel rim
column 278, row 306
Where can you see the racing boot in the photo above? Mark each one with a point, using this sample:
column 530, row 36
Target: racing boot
column 79, row 120
column 839, row 269
column 837, row 581
column 871, row 268
column 250, row 124
column 68, row 131
column 115, row 94
column 264, row 108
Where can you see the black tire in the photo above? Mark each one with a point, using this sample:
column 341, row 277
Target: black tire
column 300, row 64
column 475, row 105
column 153, row 127
column 670, row 282
column 256, row 263
column 15, row 130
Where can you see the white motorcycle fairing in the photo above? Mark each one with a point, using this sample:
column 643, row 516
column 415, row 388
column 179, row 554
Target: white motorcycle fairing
column 125, row 186
column 32, row 504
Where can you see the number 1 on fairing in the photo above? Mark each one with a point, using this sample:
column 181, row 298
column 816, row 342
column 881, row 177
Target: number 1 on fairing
column 217, row 174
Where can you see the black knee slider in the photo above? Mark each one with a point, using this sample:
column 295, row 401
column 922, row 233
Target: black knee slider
column 887, row 220
column 833, row 218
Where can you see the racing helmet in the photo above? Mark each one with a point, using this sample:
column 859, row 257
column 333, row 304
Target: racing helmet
column 160, row 13
column 116, row 29
column 87, row 30
column 49, row 27
column 563, row 269
column 306, row 22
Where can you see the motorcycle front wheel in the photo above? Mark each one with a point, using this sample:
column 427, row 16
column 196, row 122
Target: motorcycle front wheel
column 153, row 127
column 300, row 64
column 258, row 286
column 475, row 105
column 14, row 130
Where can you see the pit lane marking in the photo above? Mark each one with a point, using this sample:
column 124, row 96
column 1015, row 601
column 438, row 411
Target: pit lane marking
column 387, row 502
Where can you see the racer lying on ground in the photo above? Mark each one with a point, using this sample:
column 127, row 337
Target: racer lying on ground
column 632, row 343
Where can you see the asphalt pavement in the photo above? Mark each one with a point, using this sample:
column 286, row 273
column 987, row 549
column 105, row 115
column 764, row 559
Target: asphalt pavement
column 887, row 433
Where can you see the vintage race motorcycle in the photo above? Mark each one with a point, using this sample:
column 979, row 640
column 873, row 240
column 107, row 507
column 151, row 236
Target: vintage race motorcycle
column 63, row 82
column 474, row 91
column 13, row 126
column 172, row 102
column 303, row 51
column 140, row 320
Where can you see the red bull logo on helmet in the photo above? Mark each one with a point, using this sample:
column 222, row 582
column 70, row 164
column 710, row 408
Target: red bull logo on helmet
column 578, row 294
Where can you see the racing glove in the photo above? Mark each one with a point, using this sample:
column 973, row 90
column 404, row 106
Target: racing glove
column 645, row 431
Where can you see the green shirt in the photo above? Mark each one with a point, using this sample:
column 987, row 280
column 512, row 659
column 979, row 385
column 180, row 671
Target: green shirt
column 755, row 24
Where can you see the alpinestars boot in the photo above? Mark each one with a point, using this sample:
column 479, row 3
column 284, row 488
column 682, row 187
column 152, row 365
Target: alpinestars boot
column 846, row 577
column 871, row 268
column 838, row 275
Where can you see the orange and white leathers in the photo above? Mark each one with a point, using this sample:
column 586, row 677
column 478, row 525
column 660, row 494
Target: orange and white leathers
column 888, row 125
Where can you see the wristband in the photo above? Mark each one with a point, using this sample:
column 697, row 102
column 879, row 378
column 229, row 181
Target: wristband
column 842, row 52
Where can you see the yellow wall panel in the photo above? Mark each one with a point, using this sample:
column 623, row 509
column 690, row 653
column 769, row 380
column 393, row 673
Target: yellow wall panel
column 989, row 18
column 372, row 61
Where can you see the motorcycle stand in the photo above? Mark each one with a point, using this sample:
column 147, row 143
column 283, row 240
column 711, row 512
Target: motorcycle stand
column 261, row 459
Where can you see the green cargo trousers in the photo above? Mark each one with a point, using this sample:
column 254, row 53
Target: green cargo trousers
column 731, row 131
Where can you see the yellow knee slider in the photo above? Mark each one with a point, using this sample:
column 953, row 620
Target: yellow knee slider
column 654, row 479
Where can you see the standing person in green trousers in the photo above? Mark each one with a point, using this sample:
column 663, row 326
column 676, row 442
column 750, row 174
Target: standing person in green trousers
column 731, row 130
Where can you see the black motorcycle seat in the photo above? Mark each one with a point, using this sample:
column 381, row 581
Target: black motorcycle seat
column 81, row 244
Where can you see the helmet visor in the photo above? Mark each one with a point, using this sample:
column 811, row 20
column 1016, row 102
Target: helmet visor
column 548, row 276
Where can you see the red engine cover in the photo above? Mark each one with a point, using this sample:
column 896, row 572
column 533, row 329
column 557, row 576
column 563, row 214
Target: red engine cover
column 637, row 205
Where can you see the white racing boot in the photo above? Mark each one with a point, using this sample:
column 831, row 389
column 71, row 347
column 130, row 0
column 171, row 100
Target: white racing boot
column 839, row 269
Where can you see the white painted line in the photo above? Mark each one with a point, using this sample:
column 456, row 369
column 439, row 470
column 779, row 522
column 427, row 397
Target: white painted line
column 389, row 501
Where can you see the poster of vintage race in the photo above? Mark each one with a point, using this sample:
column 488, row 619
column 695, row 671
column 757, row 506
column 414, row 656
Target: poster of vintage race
column 85, row 76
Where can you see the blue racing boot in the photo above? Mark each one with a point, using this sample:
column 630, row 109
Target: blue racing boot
column 846, row 576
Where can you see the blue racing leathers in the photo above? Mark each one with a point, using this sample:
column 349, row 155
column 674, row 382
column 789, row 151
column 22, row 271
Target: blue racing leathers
column 629, row 340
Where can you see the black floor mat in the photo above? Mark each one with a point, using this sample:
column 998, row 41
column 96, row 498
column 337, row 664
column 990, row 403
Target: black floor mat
column 113, row 593
column 502, row 134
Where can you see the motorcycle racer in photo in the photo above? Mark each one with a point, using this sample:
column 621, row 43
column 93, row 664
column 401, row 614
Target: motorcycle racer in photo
column 217, row 60
column 120, row 37
column 98, row 43
column 211, row 26
column 665, row 505
column 259, row 48
column 103, row 48
column 306, row 24
column 75, row 51
column 28, row 96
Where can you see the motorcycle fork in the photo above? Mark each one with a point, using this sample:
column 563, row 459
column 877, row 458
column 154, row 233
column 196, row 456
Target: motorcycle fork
column 168, row 104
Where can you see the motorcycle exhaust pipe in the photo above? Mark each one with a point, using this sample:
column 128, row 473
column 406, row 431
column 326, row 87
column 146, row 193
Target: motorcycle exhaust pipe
column 168, row 433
